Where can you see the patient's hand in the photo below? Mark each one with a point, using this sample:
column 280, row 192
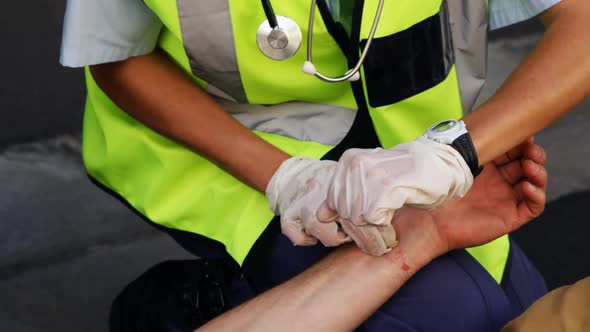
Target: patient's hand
column 509, row 193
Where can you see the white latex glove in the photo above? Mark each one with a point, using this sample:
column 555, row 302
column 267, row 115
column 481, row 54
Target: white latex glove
column 370, row 184
column 374, row 240
column 295, row 192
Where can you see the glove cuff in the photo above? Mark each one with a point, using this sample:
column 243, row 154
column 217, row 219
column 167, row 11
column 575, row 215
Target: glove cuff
column 286, row 170
column 456, row 163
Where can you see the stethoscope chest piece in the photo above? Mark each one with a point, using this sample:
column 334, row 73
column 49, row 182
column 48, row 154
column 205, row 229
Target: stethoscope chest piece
column 281, row 42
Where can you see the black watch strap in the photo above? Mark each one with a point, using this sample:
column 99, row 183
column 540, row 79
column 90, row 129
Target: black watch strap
column 464, row 145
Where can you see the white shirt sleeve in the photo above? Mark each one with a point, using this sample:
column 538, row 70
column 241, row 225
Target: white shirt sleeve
column 100, row 31
column 507, row 12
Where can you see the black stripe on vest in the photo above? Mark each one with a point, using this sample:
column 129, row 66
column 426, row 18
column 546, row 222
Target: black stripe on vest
column 409, row 62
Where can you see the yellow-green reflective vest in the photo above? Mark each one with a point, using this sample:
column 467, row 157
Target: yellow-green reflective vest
column 409, row 81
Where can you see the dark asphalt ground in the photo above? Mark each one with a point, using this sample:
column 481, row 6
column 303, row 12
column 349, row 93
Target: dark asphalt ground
column 66, row 248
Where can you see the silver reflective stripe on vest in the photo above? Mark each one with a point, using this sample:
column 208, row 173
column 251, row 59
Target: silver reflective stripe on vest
column 469, row 26
column 447, row 39
column 322, row 123
column 208, row 40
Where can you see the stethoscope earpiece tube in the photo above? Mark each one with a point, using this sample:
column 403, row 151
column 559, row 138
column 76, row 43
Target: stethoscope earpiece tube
column 280, row 42
column 352, row 74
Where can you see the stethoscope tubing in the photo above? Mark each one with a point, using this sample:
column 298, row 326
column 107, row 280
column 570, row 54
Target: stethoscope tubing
column 308, row 67
column 352, row 72
column 270, row 14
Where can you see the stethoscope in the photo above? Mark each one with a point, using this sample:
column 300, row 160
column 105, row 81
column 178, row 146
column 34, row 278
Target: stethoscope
column 279, row 38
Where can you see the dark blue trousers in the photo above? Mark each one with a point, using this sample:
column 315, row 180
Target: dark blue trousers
column 452, row 293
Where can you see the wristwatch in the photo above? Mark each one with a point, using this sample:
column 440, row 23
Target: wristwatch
column 454, row 133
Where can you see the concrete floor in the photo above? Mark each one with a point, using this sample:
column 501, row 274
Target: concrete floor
column 66, row 248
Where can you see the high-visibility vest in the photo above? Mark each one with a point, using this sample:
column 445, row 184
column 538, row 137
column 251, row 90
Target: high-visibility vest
column 408, row 81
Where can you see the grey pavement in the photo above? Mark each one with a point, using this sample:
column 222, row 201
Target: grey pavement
column 67, row 248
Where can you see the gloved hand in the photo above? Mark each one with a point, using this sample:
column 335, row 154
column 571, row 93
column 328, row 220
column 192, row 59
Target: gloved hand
column 370, row 184
column 295, row 192
column 374, row 240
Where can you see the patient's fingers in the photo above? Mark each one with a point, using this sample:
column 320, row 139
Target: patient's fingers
column 530, row 164
column 512, row 172
column 528, row 170
column 531, row 191
column 514, row 153
column 533, row 200
column 535, row 173
column 535, row 153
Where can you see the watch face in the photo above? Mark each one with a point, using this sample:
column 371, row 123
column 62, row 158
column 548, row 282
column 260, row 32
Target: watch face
column 444, row 126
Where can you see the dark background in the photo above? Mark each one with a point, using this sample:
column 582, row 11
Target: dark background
column 39, row 98
column 66, row 248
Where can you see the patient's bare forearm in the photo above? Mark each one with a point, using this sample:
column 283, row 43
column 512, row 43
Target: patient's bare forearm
column 337, row 294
